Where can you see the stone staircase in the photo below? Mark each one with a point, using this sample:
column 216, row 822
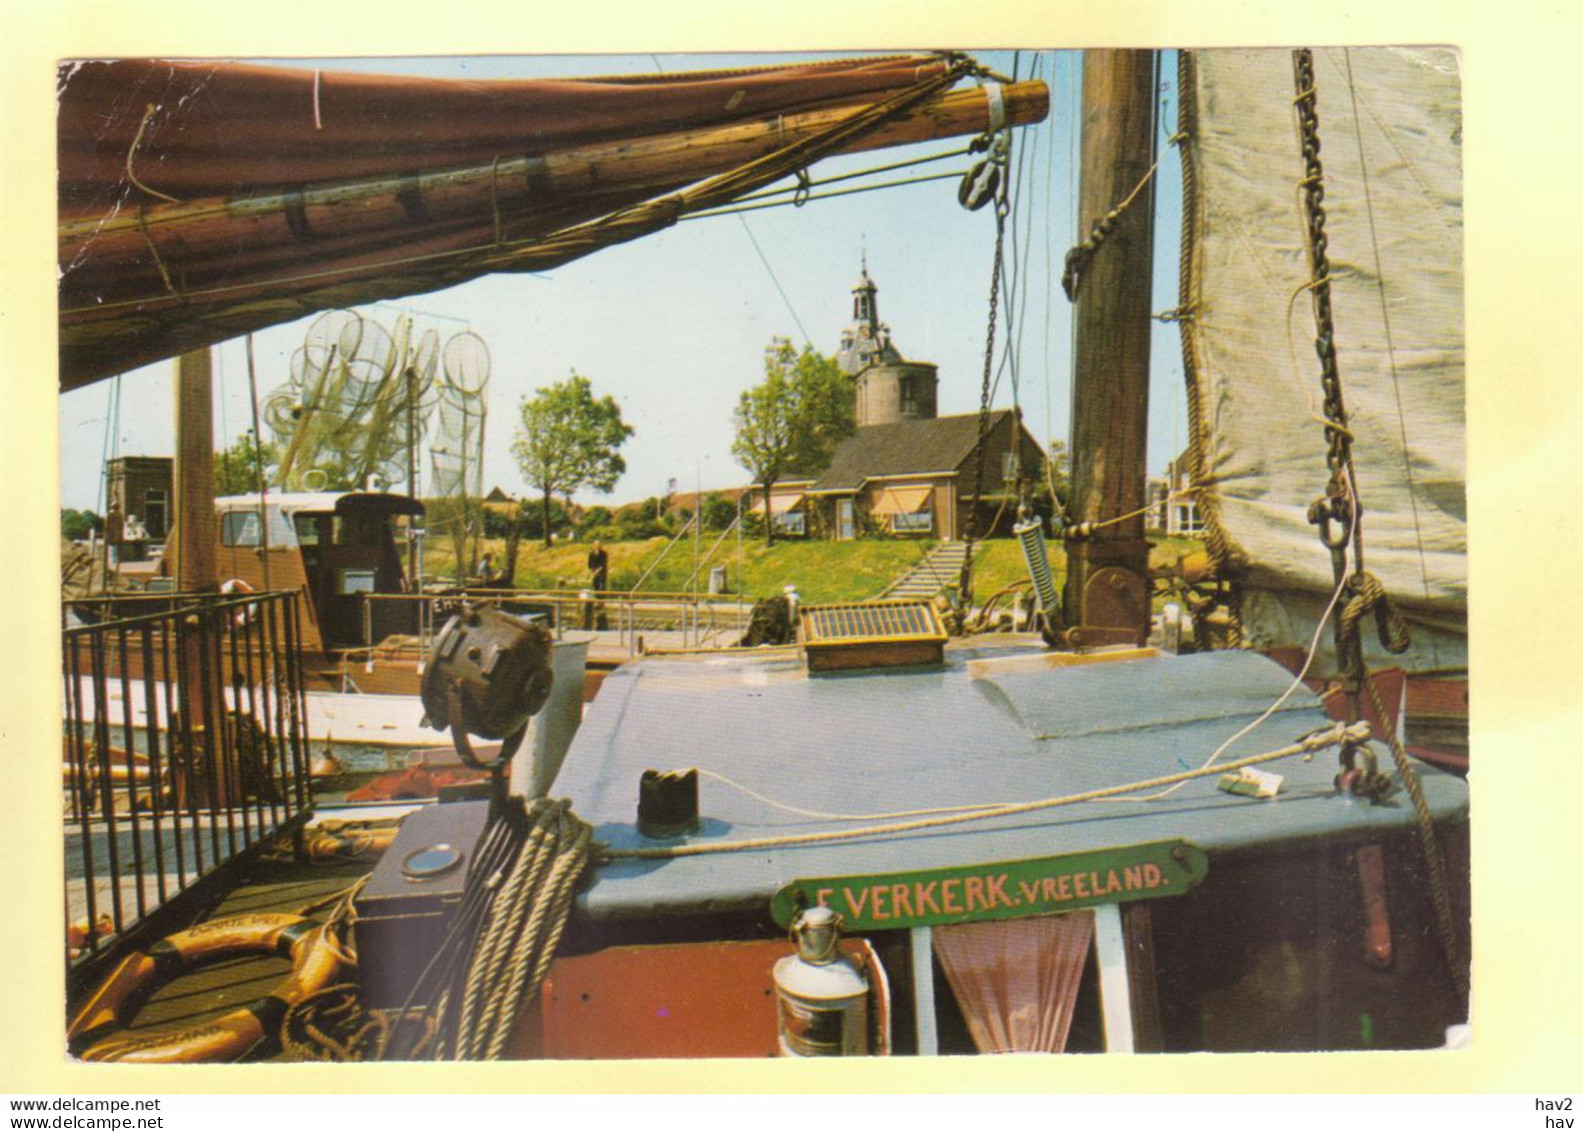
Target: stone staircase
column 942, row 567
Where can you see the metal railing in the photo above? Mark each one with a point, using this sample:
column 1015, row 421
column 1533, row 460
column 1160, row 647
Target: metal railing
column 687, row 620
column 184, row 746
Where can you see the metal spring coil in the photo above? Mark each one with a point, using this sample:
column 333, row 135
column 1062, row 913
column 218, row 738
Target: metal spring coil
column 1030, row 534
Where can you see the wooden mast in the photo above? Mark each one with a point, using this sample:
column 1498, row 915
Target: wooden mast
column 1107, row 590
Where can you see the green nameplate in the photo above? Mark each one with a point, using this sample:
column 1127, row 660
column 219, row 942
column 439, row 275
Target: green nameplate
column 999, row 891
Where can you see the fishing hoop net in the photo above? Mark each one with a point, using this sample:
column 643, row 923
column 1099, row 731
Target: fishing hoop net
column 359, row 402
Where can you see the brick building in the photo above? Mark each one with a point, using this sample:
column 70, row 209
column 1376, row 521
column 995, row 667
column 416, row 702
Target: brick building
column 140, row 487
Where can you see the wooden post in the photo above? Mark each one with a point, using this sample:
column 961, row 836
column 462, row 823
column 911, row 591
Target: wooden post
column 411, row 377
column 195, row 546
column 1107, row 592
column 1137, row 928
column 195, row 572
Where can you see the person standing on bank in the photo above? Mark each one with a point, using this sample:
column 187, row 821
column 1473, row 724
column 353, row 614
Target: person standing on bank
column 599, row 568
column 489, row 577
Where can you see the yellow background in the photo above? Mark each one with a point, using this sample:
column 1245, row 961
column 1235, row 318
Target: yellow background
column 1521, row 61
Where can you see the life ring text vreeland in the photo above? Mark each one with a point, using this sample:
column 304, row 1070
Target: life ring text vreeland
column 96, row 1033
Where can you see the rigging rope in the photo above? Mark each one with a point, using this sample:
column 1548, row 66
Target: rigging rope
column 999, row 150
column 1336, row 735
column 1385, row 317
column 799, row 201
column 1078, row 258
column 805, row 183
column 525, row 924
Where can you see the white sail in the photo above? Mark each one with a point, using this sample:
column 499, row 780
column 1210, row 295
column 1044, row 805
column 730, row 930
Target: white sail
column 1390, row 128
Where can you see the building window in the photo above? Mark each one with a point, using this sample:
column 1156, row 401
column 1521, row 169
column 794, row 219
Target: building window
column 241, row 528
column 793, row 522
column 156, row 511
column 1008, row 467
column 921, row 522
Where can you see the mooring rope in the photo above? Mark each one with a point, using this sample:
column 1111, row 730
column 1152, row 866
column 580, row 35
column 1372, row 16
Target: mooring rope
column 525, row 924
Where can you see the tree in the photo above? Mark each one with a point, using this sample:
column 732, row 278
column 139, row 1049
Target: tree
column 718, row 511
column 568, row 441
column 791, row 422
column 1055, row 470
column 592, row 518
column 241, row 467
column 77, row 525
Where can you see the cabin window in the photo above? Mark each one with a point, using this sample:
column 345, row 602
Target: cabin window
column 241, row 528
column 307, row 528
column 349, row 581
column 793, row 522
column 361, row 530
column 920, row 523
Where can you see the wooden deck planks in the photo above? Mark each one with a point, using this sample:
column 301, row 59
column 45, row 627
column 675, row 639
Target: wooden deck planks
column 269, row 886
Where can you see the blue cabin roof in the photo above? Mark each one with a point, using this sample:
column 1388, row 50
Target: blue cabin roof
column 994, row 723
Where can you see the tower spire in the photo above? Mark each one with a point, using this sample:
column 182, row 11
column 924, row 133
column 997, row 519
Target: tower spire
column 866, row 339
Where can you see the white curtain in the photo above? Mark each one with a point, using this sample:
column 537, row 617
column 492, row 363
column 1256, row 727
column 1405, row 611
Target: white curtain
column 1016, row 981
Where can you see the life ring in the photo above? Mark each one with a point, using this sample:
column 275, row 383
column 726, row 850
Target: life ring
column 95, row 1033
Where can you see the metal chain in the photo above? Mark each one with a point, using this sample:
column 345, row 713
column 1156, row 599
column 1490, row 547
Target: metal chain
column 970, row 529
column 1339, row 504
column 1337, row 514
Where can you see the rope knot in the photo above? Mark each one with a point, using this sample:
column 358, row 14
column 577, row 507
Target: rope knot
column 1076, row 260
column 1369, row 595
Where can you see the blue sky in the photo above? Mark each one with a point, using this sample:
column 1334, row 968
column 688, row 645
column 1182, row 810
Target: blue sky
column 674, row 326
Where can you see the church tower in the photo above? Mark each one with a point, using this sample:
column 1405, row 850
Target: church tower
column 888, row 388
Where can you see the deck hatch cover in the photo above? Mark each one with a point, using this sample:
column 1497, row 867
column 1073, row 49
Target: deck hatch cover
column 871, row 634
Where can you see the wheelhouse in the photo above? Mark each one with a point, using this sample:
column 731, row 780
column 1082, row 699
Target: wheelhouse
column 337, row 546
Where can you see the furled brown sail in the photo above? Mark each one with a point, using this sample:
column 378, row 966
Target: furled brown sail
column 199, row 201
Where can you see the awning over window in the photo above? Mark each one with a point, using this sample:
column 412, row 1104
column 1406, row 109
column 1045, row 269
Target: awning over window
column 782, row 504
column 902, row 500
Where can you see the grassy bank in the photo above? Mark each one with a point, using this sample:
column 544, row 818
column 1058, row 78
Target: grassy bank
column 822, row 571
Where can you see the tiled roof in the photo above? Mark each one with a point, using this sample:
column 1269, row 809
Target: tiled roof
column 907, row 447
